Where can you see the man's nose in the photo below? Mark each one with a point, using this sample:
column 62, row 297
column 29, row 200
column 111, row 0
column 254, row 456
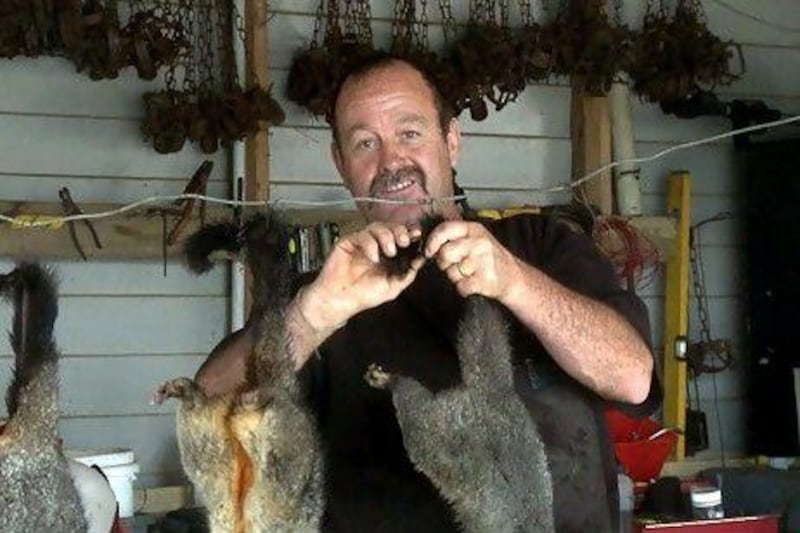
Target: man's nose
column 393, row 156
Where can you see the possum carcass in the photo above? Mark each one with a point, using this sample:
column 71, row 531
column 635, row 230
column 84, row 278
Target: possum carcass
column 253, row 455
column 477, row 442
column 37, row 492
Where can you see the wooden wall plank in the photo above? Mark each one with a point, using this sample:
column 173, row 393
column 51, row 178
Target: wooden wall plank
column 134, row 325
column 142, row 278
column 113, row 386
column 89, row 147
column 51, row 86
column 99, row 189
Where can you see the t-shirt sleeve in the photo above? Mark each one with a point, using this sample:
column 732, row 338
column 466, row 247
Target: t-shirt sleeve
column 574, row 260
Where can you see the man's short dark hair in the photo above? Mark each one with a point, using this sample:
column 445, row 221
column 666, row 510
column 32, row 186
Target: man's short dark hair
column 380, row 59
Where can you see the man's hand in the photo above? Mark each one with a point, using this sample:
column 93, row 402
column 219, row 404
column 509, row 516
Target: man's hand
column 354, row 280
column 473, row 259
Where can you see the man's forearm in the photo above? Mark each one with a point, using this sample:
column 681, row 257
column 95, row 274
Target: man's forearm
column 588, row 339
column 305, row 329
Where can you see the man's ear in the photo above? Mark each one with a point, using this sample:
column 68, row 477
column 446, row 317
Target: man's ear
column 453, row 139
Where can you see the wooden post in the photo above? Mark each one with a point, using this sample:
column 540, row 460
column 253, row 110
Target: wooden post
column 590, row 130
column 676, row 309
column 256, row 181
column 257, row 74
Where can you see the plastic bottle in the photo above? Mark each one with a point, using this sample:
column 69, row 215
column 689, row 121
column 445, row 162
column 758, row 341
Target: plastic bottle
column 707, row 503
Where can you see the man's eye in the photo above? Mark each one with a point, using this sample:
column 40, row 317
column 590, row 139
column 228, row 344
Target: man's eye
column 410, row 134
column 365, row 144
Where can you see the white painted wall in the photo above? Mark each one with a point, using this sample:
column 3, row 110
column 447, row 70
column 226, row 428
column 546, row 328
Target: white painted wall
column 124, row 327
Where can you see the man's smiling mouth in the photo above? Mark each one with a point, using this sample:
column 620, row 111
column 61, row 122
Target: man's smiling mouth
column 399, row 186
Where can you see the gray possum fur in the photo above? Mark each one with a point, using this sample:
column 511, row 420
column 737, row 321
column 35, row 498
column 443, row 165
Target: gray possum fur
column 37, row 492
column 477, row 442
column 254, row 455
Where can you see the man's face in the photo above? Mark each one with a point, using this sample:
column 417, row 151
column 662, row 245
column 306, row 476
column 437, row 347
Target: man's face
column 391, row 145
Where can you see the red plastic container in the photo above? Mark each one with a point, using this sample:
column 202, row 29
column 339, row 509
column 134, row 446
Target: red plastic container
column 640, row 453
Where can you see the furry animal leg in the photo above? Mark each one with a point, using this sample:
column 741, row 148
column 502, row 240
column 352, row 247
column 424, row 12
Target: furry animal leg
column 37, row 492
column 267, row 475
column 207, row 448
column 476, row 442
column 279, row 437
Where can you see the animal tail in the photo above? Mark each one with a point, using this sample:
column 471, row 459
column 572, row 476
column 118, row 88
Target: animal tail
column 273, row 279
column 484, row 350
column 207, row 240
column 269, row 260
column 265, row 240
column 32, row 398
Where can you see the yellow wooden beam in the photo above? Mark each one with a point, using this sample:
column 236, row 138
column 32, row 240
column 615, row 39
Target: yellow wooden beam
column 676, row 308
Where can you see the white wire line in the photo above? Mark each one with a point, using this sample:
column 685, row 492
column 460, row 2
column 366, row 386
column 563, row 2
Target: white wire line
column 755, row 18
column 32, row 220
column 37, row 221
column 683, row 146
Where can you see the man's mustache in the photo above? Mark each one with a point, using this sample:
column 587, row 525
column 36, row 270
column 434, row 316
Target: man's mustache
column 387, row 179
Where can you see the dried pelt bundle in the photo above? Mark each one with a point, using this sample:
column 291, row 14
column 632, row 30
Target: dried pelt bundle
column 37, row 492
column 253, row 455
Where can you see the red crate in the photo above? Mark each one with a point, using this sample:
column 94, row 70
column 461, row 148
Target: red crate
column 741, row 524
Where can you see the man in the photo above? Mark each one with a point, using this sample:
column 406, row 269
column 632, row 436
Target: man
column 578, row 339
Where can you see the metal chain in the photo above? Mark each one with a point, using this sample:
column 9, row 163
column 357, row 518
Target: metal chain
column 474, row 5
column 617, row 6
column 318, row 21
column 349, row 19
column 183, row 12
column 695, row 8
column 404, row 32
column 412, row 25
column 364, row 21
column 448, row 23
column 422, row 27
column 699, row 284
column 719, row 349
column 226, row 61
column 205, row 37
column 399, row 5
column 192, row 75
column 332, row 21
column 525, row 12
column 136, row 6
column 504, row 13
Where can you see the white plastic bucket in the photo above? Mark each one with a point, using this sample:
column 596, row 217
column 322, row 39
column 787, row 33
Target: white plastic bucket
column 119, row 467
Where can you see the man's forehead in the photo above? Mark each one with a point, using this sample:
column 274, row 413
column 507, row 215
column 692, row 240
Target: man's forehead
column 393, row 78
column 390, row 119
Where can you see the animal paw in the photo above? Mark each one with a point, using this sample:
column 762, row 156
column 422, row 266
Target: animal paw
column 254, row 400
column 378, row 378
column 181, row 388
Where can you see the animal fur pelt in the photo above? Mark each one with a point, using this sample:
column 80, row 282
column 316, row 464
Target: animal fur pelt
column 37, row 492
column 476, row 442
column 253, row 455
